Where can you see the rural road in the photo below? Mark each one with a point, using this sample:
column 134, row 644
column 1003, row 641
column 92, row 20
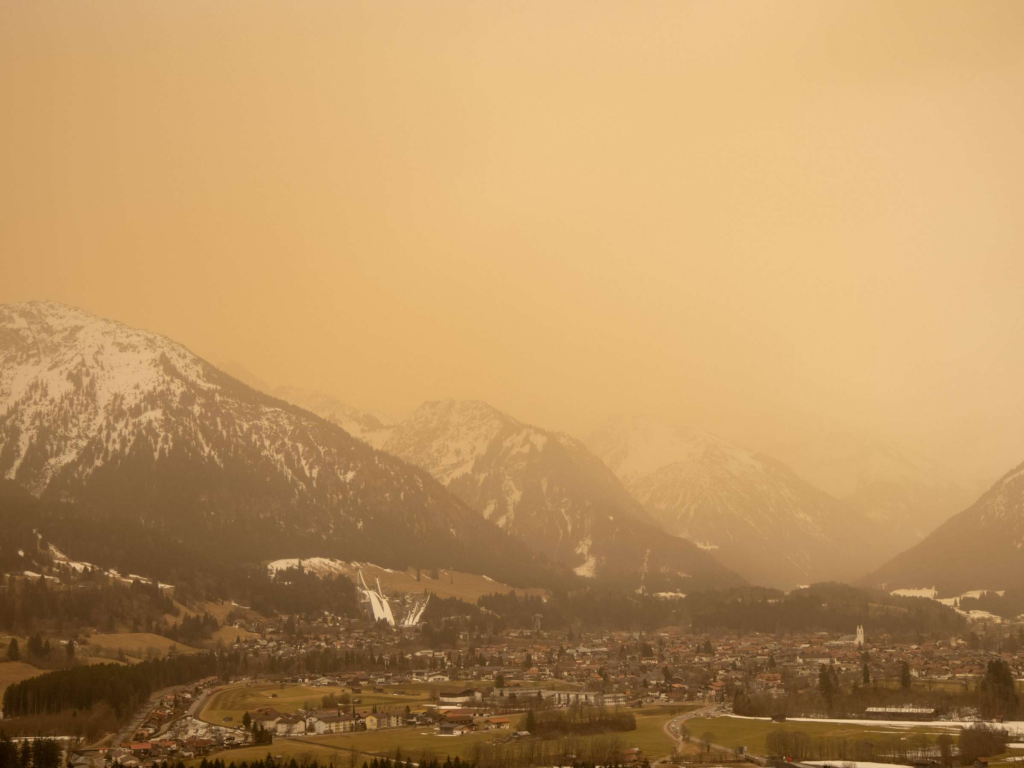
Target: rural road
column 672, row 726
column 125, row 733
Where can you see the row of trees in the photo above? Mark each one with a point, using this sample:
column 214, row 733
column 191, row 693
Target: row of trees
column 34, row 753
column 833, row 607
column 977, row 741
column 829, row 606
column 601, row 750
column 191, row 629
column 848, row 695
column 578, row 719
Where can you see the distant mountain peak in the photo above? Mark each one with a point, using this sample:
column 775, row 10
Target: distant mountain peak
column 547, row 490
column 757, row 515
column 639, row 445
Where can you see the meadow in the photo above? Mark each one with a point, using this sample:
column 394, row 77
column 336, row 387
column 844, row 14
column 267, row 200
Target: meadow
column 339, row 748
column 136, row 646
column 739, row 732
column 234, row 702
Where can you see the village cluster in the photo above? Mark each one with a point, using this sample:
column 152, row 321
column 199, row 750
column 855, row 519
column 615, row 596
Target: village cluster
column 484, row 684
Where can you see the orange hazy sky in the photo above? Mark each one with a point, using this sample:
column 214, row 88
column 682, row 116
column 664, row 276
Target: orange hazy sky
column 767, row 219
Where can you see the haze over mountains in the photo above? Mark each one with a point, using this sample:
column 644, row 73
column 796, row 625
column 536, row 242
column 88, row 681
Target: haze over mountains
column 547, row 490
column 910, row 494
column 981, row 548
column 134, row 429
column 752, row 511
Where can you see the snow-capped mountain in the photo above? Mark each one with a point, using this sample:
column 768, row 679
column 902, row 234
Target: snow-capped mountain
column 752, row 511
column 981, row 548
column 139, row 430
column 910, row 494
column 549, row 491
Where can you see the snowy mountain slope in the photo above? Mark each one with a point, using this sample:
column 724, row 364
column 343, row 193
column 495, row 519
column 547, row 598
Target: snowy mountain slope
column 905, row 491
column 753, row 512
column 549, row 491
column 982, row 547
column 362, row 424
column 144, row 432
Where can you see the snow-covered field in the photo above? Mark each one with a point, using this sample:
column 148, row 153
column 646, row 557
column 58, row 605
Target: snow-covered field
column 1014, row 727
column 931, row 593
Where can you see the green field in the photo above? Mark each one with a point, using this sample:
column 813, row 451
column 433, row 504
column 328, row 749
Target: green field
column 649, row 736
column 737, row 732
column 233, row 702
column 135, row 645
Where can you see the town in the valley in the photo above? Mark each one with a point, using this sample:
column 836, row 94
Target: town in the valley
column 349, row 690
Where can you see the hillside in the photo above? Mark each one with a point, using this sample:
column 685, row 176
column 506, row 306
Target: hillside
column 754, row 513
column 361, row 424
column 981, row 548
column 550, row 492
column 135, row 432
column 897, row 487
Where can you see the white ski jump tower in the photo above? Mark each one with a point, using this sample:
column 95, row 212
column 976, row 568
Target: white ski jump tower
column 411, row 607
column 379, row 605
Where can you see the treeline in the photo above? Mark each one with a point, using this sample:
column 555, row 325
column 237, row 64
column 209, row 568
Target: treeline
column 294, row 591
column 975, row 742
column 34, row 753
column 848, row 695
column 602, row 750
column 597, row 607
column 121, row 687
column 1008, row 641
column 831, row 607
column 1008, row 605
column 191, row 629
column 327, row 661
column 91, row 598
column 28, row 607
column 578, row 720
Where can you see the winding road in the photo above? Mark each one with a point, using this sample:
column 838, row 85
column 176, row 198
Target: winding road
column 672, row 727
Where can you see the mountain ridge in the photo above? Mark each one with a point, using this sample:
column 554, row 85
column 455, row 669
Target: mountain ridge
column 980, row 548
column 755, row 513
column 134, row 426
column 549, row 491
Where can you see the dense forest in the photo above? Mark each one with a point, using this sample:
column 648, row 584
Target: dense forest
column 121, row 687
column 37, row 753
column 600, row 606
column 822, row 607
column 828, row 607
column 1008, row 605
column 91, row 600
